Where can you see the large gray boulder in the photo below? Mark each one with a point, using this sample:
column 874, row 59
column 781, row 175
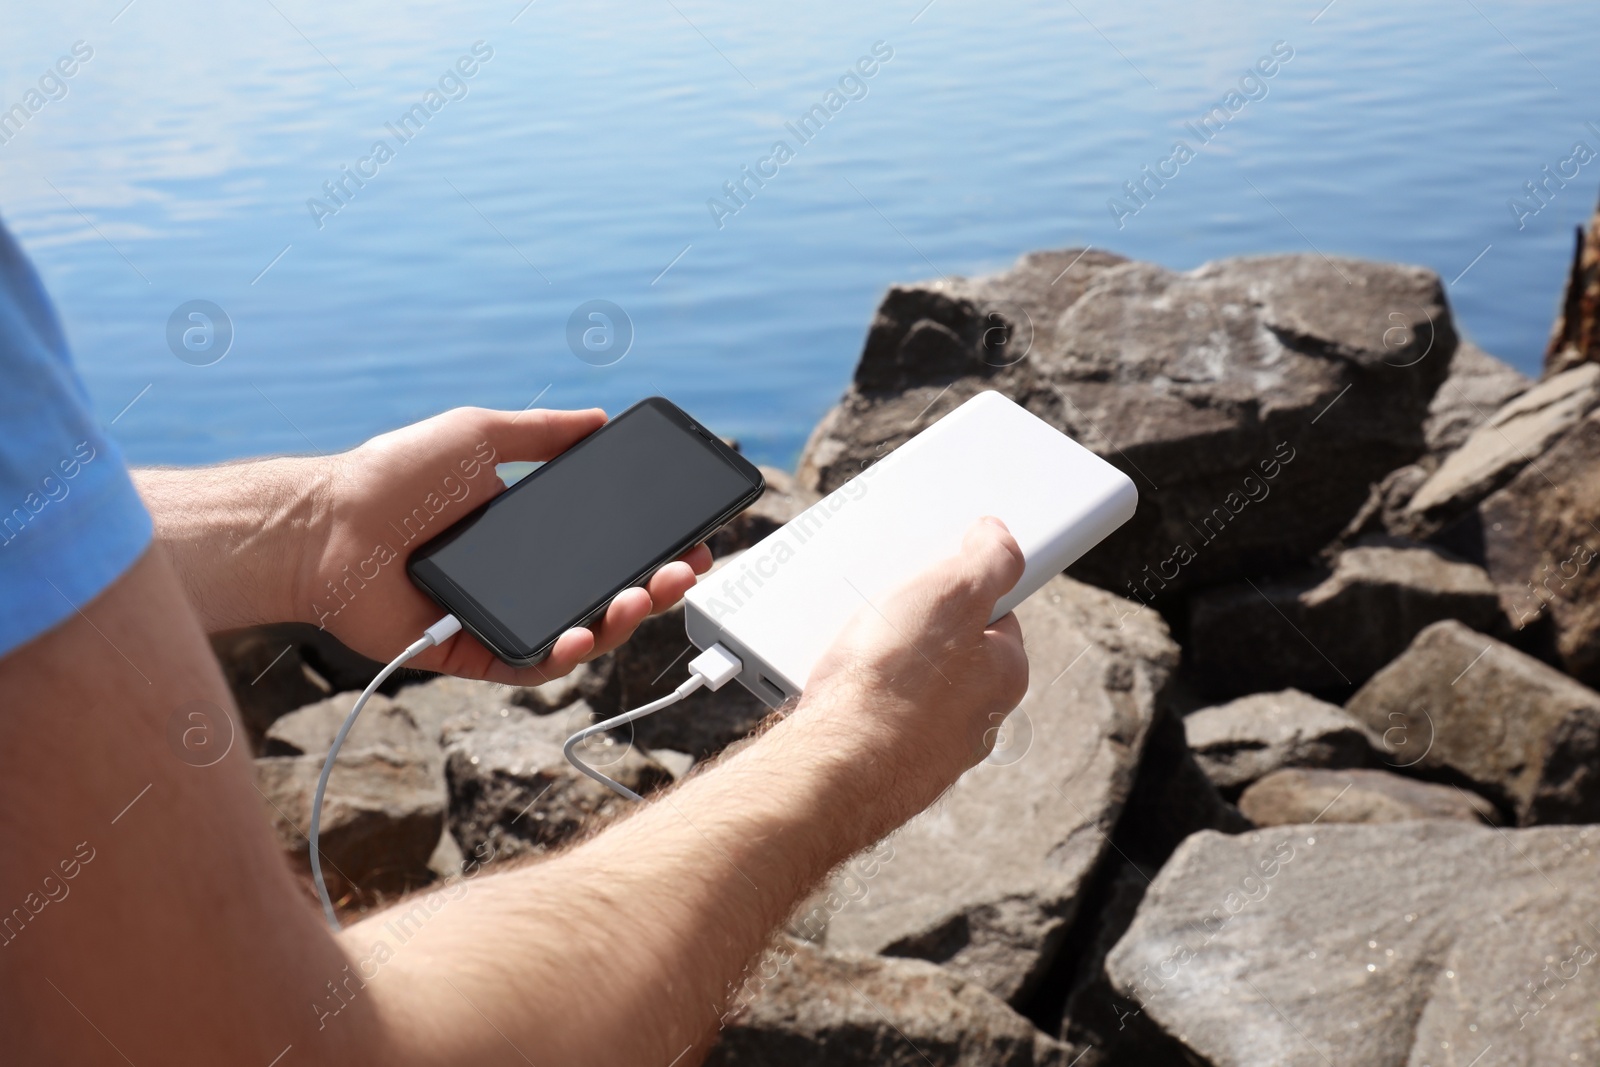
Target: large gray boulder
column 1329, row 631
column 1249, row 738
column 988, row 879
column 845, row 1010
column 1252, row 401
column 1541, row 538
column 1383, row 945
column 1520, row 732
column 594, row 683
column 494, row 749
column 1308, row 795
column 1097, row 1018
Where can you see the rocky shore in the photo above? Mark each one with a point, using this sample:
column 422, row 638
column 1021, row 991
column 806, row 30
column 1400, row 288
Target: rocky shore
column 1309, row 763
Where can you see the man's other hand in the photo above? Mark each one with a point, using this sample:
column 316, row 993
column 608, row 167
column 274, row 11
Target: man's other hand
column 325, row 539
column 413, row 483
column 918, row 684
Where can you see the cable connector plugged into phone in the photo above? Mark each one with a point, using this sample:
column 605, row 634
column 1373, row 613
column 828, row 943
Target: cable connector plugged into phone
column 711, row 669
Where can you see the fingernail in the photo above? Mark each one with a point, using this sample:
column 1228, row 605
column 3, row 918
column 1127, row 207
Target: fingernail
column 992, row 521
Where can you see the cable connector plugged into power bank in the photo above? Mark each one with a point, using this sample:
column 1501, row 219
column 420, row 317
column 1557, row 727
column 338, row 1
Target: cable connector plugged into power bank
column 711, row 669
column 717, row 666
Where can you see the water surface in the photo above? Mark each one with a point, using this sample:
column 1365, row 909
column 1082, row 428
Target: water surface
column 577, row 162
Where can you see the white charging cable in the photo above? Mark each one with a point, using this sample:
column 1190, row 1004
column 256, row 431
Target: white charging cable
column 436, row 634
column 711, row 669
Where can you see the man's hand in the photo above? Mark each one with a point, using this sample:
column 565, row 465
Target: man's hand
column 383, row 490
column 325, row 540
column 921, row 682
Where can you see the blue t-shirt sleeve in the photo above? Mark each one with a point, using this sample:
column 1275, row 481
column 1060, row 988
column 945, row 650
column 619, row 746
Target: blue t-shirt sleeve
column 70, row 520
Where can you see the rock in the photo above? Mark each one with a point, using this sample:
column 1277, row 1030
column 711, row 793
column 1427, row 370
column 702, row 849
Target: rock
column 276, row 668
column 1249, row 738
column 381, row 818
column 1106, row 1024
column 678, row 764
column 1170, row 799
column 652, row 664
column 267, row 674
column 1477, row 385
column 987, row 880
column 448, row 860
column 408, row 723
column 513, row 793
column 1308, row 795
column 594, row 683
column 442, row 700
column 784, row 499
column 1404, row 943
column 1222, row 392
column 551, row 696
column 1541, row 537
column 1493, row 454
column 387, row 724
column 1328, row 633
column 1384, row 512
column 309, row 731
column 826, row 1010
column 1468, row 706
column 1575, row 339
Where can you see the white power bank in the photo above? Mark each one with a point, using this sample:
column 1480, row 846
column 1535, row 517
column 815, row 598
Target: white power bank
column 779, row 605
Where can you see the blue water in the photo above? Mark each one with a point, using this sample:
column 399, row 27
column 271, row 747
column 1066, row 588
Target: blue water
column 579, row 163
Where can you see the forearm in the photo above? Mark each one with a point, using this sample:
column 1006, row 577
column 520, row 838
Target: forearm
column 625, row 949
column 239, row 534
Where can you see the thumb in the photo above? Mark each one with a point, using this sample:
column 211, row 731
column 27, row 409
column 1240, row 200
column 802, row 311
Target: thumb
column 991, row 561
column 539, row 434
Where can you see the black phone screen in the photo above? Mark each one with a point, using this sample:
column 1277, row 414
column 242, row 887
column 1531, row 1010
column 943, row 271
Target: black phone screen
column 545, row 554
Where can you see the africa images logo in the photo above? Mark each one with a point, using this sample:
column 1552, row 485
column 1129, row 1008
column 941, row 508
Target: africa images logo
column 852, row 85
column 452, row 85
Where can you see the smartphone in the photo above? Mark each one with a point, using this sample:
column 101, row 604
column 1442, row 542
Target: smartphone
column 552, row 551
